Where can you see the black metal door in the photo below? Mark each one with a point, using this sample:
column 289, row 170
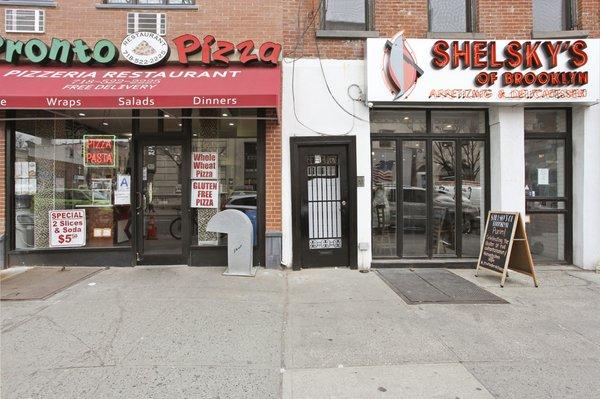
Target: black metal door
column 324, row 205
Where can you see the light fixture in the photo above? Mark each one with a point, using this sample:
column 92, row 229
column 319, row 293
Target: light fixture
column 195, row 135
column 406, row 118
column 104, row 123
column 81, row 114
column 167, row 116
column 179, row 124
column 225, row 114
column 231, row 124
column 448, row 126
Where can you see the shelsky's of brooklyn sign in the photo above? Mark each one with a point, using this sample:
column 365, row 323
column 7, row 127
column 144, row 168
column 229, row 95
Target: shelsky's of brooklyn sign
column 140, row 48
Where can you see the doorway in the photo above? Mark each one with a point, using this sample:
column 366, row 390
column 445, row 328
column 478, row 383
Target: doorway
column 162, row 212
column 428, row 183
column 324, row 202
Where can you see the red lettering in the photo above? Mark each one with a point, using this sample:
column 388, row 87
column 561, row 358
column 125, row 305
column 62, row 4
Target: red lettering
column 531, row 58
column 269, row 52
column 493, row 63
column 209, row 40
column 224, row 50
column 578, row 56
column 552, row 52
column 187, row 45
column 513, row 56
column 479, row 51
column 440, row 56
column 458, row 55
column 246, row 48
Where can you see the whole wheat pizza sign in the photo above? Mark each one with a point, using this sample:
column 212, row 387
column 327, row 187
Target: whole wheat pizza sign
column 205, row 165
column 205, row 194
column 67, row 228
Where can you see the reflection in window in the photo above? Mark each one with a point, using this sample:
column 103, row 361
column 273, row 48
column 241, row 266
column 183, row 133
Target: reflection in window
column 552, row 15
column 414, row 205
column 65, row 164
column 383, row 197
column 453, row 122
column 545, row 120
column 449, row 15
column 230, row 135
column 345, row 14
column 393, row 121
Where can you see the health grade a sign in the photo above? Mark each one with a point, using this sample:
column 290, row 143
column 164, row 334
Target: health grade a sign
column 482, row 71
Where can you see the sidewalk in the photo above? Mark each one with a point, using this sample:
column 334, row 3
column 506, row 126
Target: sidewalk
column 331, row 333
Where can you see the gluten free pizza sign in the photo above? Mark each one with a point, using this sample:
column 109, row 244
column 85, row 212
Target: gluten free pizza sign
column 205, row 194
column 67, row 228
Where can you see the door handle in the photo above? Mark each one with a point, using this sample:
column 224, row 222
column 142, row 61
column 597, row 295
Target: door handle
column 139, row 197
column 343, row 203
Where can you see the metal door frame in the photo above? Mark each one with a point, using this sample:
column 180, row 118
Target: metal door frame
column 429, row 137
column 139, row 144
column 350, row 143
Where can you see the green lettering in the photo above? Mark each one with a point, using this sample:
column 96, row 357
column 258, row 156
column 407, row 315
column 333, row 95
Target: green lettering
column 62, row 47
column 36, row 50
column 82, row 51
column 13, row 51
column 105, row 52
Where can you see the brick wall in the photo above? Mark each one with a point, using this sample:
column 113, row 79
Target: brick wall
column 497, row 19
column 227, row 20
column 273, row 174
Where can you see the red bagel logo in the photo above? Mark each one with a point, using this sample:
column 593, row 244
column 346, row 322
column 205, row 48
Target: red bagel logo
column 400, row 69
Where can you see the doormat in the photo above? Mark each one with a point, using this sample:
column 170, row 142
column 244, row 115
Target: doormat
column 421, row 286
column 41, row 282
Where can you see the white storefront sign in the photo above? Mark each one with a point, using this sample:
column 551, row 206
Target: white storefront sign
column 67, row 228
column 205, row 194
column 403, row 70
column 123, row 191
column 205, row 165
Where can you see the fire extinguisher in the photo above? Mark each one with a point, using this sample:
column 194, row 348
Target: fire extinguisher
column 151, row 234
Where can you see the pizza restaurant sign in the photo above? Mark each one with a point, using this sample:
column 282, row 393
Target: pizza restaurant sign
column 141, row 48
column 478, row 71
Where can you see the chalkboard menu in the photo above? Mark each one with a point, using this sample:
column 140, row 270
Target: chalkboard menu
column 499, row 232
column 505, row 246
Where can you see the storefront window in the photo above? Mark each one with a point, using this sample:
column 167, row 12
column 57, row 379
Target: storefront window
column 393, row 121
column 458, row 122
column 546, row 183
column 78, row 165
column 224, row 151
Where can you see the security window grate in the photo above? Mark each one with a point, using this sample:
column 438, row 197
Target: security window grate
column 147, row 22
column 24, row 20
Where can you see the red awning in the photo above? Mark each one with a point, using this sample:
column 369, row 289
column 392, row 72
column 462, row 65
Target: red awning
column 172, row 86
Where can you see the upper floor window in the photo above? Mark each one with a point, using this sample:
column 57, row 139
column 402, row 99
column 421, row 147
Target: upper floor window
column 554, row 15
column 452, row 15
column 152, row 2
column 147, row 22
column 348, row 15
column 24, row 20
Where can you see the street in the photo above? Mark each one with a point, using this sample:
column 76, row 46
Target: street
column 185, row 332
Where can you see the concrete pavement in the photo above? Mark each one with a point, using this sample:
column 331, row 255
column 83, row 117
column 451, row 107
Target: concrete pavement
column 156, row 332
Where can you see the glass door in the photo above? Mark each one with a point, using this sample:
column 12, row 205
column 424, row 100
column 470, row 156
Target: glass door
column 162, row 227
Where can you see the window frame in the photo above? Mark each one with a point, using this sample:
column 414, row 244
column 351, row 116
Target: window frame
column 323, row 31
column 37, row 20
column 160, row 16
column 569, row 19
column 567, row 198
column 470, row 18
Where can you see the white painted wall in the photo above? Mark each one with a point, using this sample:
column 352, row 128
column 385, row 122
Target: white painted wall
column 507, row 158
column 586, row 186
column 305, row 91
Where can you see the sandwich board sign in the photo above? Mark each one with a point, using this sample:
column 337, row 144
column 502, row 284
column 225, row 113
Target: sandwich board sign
column 505, row 246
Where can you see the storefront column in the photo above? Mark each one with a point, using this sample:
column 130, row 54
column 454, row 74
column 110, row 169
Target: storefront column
column 586, row 186
column 273, row 245
column 507, row 159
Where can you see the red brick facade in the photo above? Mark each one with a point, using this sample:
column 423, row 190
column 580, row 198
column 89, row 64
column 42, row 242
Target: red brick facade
column 293, row 22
